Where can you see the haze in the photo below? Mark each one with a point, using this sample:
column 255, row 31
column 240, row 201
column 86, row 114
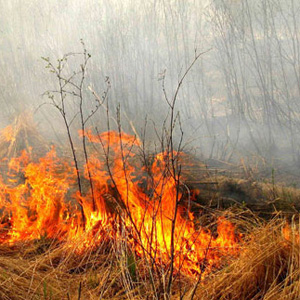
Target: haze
column 241, row 99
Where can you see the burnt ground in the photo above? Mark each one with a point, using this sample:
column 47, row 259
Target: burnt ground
column 263, row 189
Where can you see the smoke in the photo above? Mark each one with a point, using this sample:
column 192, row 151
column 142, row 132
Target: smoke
column 239, row 100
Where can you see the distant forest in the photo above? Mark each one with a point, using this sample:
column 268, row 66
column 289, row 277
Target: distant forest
column 241, row 99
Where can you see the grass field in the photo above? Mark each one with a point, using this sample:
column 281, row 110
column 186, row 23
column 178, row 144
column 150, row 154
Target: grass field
column 207, row 236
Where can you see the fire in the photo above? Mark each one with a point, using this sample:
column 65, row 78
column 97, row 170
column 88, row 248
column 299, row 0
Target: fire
column 8, row 133
column 38, row 197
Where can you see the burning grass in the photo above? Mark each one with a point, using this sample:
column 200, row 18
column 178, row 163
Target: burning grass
column 135, row 232
column 267, row 268
column 34, row 199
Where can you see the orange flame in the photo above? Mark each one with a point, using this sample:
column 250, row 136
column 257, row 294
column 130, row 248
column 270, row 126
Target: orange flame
column 39, row 198
column 8, row 133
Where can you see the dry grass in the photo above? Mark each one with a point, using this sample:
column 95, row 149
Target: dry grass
column 61, row 273
column 267, row 268
column 21, row 134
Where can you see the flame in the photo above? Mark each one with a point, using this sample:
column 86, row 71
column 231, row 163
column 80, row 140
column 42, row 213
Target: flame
column 39, row 198
column 8, row 133
column 291, row 233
